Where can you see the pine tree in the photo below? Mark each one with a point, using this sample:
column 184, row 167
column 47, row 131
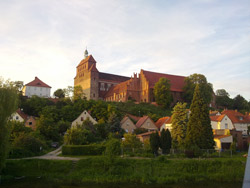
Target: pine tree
column 169, row 141
column 199, row 130
column 154, row 142
column 179, row 125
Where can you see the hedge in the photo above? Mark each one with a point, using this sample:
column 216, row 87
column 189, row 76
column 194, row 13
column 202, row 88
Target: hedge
column 92, row 149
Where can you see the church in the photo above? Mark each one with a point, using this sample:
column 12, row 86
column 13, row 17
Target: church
column 109, row 87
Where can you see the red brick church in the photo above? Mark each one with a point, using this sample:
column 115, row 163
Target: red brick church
column 110, row 87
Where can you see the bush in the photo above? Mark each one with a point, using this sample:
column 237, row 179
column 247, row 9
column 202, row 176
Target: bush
column 113, row 147
column 92, row 149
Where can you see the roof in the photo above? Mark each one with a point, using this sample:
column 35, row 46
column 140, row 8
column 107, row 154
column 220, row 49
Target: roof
column 235, row 116
column 177, row 82
column 112, row 77
column 217, row 118
column 124, row 119
column 37, row 83
column 145, row 134
column 221, row 136
column 141, row 121
column 22, row 114
column 213, row 113
column 119, row 88
column 135, row 118
column 87, row 59
column 161, row 121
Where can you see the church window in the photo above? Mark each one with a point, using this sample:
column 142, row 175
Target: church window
column 93, row 95
column 102, row 87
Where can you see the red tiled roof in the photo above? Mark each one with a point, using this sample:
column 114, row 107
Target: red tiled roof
column 141, row 121
column 177, row 82
column 87, row 59
column 135, row 118
column 217, row 118
column 22, row 114
column 124, row 119
column 37, row 83
column 161, row 121
column 119, row 88
column 112, row 77
column 235, row 116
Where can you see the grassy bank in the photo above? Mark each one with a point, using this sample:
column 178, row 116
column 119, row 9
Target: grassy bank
column 100, row 170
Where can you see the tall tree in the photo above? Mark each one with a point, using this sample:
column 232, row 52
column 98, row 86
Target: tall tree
column 240, row 103
column 179, row 125
column 162, row 92
column 199, row 130
column 8, row 104
column 165, row 141
column 206, row 88
column 155, row 142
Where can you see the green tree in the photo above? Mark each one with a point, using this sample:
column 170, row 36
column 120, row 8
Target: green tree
column 165, row 141
column 199, row 130
column 59, row 93
column 63, row 126
column 78, row 136
column 223, row 100
column 17, row 128
column 131, row 142
column 8, row 104
column 240, row 103
column 114, row 124
column 179, row 125
column 113, row 148
column 162, row 92
column 78, row 93
column 206, row 88
column 155, row 142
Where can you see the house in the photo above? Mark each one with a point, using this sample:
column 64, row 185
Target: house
column 164, row 123
column 36, row 87
column 20, row 116
column 144, row 136
column 223, row 141
column 127, row 124
column 82, row 117
column 240, row 122
column 146, row 123
column 221, row 122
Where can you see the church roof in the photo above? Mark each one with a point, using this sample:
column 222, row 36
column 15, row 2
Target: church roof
column 177, row 82
column 117, row 89
column 37, row 83
column 112, row 77
column 87, row 59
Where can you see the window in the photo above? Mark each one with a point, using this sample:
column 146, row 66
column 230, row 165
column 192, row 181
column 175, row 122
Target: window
column 30, row 123
column 93, row 95
column 102, row 87
column 127, row 124
column 81, row 118
column 41, row 89
column 226, row 126
column 35, row 88
column 148, row 124
column 17, row 117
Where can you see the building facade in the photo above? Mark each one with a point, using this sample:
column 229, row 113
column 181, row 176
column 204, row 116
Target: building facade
column 36, row 87
column 109, row 87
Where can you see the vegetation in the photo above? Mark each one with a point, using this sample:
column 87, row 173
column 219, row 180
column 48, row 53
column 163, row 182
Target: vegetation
column 206, row 88
column 199, row 130
column 131, row 142
column 162, row 92
column 8, row 104
column 179, row 125
column 92, row 149
column 129, row 171
column 155, row 142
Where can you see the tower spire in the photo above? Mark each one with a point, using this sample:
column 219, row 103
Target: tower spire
column 86, row 53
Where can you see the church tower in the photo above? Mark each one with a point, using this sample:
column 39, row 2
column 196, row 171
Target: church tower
column 87, row 76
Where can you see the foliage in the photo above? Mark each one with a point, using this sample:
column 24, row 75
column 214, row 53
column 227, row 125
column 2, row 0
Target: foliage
column 199, row 130
column 17, row 128
column 155, row 142
column 48, row 128
column 162, row 92
column 59, row 93
column 113, row 148
column 92, row 149
column 131, row 142
column 146, row 146
column 78, row 93
column 63, row 126
column 8, row 104
column 206, row 88
column 165, row 141
column 179, row 125
column 113, row 125
column 223, row 100
column 240, row 103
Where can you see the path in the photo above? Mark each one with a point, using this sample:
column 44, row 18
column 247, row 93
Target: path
column 246, row 182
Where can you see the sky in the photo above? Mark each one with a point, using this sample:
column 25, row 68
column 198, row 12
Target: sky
column 47, row 39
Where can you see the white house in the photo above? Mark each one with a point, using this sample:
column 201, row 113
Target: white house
column 221, row 122
column 164, row 123
column 36, row 87
column 19, row 115
column 82, row 117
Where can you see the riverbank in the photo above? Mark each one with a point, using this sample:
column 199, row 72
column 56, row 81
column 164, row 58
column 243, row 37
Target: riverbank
column 100, row 170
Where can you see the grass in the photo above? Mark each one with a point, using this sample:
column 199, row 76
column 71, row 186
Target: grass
column 102, row 170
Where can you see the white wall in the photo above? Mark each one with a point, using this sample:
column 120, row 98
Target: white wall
column 38, row 91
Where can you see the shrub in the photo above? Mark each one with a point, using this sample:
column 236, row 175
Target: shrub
column 92, row 149
column 113, row 147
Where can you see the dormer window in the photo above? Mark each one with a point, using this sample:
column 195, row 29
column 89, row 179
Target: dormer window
column 240, row 118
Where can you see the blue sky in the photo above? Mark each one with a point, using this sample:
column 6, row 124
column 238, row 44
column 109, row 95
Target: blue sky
column 47, row 38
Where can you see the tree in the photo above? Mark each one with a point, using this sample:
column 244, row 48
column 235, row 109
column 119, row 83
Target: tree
column 199, row 130
column 8, row 104
column 63, row 126
column 155, row 142
column 162, row 92
column 131, row 142
column 59, row 93
column 240, row 103
column 113, row 148
column 179, row 125
column 223, row 100
column 165, row 141
column 78, row 93
column 206, row 88
column 78, row 136
column 114, row 124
